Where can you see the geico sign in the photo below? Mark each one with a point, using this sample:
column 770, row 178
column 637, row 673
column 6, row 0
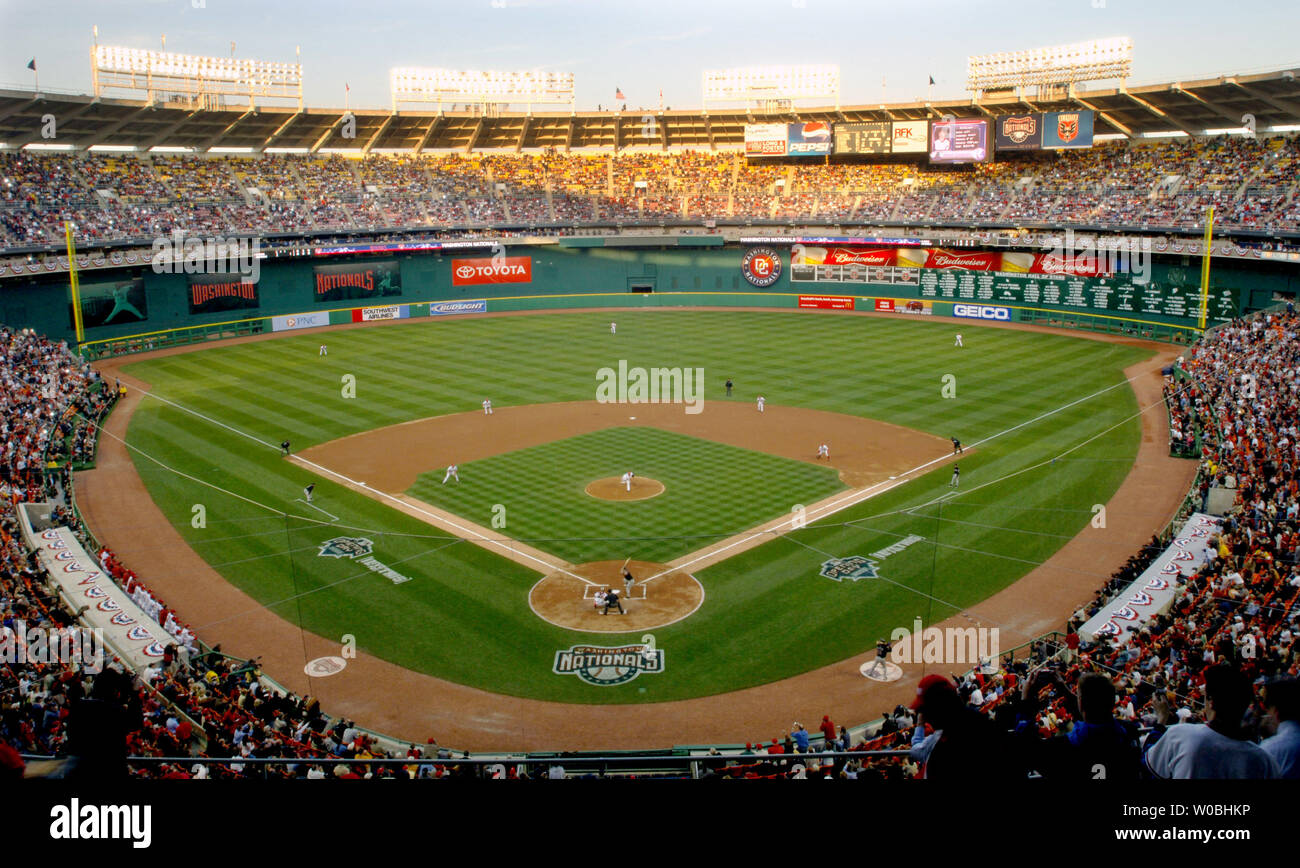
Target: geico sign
column 508, row 269
column 979, row 311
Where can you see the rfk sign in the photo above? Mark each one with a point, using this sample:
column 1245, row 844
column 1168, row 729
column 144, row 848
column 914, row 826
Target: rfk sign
column 507, row 269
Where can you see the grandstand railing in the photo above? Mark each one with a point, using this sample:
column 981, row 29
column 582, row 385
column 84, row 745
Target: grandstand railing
column 486, row 766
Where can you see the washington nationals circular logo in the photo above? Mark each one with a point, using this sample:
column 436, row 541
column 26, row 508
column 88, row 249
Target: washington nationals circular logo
column 761, row 266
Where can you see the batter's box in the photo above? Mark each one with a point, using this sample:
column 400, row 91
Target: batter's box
column 638, row 592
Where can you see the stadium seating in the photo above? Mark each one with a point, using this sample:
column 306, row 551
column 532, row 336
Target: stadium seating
column 1165, row 184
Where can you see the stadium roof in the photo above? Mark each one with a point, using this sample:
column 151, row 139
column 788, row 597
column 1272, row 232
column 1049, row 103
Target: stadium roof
column 83, row 121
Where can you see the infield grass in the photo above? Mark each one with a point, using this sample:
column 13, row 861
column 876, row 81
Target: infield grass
column 768, row 614
column 711, row 491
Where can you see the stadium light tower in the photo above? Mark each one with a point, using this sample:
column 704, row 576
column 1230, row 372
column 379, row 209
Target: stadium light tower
column 190, row 80
column 1052, row 69
column 485, row 89
column 774, row 88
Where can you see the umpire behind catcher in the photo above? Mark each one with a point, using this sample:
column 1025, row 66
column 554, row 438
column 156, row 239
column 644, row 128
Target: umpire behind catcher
column 611, row 599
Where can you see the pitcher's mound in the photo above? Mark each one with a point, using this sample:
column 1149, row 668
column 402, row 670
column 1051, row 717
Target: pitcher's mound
column 660, row 596
column 612, row 488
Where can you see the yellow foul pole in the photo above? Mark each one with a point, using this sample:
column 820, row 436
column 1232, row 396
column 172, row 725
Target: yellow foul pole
column 76, row 290
column 1205, row 267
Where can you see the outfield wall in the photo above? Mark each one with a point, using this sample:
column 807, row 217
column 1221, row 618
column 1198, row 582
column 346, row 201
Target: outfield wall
column 137, row 301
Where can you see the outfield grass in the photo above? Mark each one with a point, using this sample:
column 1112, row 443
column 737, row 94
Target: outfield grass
column 711, row 492
column 768, row 615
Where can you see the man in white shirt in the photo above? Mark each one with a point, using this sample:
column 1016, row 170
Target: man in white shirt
column 1218, row 749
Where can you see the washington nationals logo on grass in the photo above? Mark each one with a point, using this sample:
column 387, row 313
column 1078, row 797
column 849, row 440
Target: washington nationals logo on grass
column 603, row 666
column 346, row 547
column 852, row 568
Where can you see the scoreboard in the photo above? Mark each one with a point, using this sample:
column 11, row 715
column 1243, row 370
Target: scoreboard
column 1171, row 295
column 873, row 137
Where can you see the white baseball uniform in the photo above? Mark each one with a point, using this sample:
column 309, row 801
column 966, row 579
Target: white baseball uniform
column 959, row 343
column 613, row 328
column 487, row 407
column 451, row 474
column 627, row 479
column 824, row 451
column 600, row 599
column 761, row 402
column 324, row 351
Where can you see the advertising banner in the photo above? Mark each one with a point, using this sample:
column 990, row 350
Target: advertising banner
column 910, row 137
column 815, row 255
column 1020, row 132
column 914, row 306
column 1153, row 592
column 884, row 304
column 827, row 302
column 208, row 294
column 299, row 321
column 367, row 280
column 960, row 141
column 766, row 140
column 973, row 261
column 495, row 269
column 375, row 314
column 812, row 139
column 450, row 308
column 1067, row 129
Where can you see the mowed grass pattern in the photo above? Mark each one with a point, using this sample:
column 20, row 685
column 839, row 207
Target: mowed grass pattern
column 712, row 491
column 767, row 615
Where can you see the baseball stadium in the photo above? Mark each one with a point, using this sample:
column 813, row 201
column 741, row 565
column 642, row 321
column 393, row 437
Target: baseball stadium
column 790, row 436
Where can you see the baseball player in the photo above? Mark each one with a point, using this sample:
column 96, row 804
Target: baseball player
column 956, row 475
column 451, row 474
column 284, row 447
column 600, row 599
column 882, row 654
column 959, row 343
column 956, row 446
column 824, row 451
column 308, row 490
column 487, row 406
column 761, row 402
column 730, row 385
column 627, row 480
column 628, row 582
column 613, row 328
column 611, row 599
column 324, row 350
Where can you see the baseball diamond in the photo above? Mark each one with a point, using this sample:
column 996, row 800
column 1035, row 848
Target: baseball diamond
column 465, row 617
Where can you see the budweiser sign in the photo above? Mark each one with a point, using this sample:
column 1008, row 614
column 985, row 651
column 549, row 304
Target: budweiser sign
column 849, row 256
column 499, row 269
column 970, row 261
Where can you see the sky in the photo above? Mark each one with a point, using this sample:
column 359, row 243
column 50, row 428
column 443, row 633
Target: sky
column 886, row 51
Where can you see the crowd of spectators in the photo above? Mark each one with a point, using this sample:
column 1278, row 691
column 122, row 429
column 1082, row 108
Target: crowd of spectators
column 1163, row 184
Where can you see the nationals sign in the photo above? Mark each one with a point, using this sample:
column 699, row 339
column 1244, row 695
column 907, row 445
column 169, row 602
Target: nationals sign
column 498, row 269
column 761, row 266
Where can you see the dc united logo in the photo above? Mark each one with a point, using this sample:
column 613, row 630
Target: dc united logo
column 604, row 667
column 851, row 568
column 346, row 547
column 1067, row 127
column 761, row 266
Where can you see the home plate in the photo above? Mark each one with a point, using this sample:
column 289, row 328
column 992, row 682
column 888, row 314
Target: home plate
column 633, row 418
column 881, row 671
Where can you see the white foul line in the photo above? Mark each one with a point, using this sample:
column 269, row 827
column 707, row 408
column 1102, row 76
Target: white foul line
column 317, row 508
column 857, row 496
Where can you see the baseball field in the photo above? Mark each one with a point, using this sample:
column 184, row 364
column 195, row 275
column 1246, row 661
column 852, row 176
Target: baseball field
column 445, row 578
